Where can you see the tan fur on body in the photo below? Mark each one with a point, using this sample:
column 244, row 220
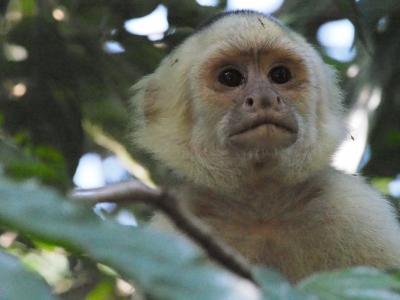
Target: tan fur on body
column 269, row 192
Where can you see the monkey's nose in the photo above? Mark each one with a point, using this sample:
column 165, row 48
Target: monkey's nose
column 254, row 103
column 249, row 102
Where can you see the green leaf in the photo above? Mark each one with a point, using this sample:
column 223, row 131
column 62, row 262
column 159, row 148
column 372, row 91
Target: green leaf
column 19, row 283
column 162, row 265
column 28, row 7
column 42, row 162
column 275, row 287
column 381, row 184
column 360, row 283
column 104, row 290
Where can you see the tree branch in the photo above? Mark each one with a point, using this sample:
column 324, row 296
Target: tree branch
column 135, row 191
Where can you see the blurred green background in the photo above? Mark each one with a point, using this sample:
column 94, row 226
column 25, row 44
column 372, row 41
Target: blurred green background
column 65, row 72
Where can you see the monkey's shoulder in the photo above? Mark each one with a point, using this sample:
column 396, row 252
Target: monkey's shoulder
column 353, row 192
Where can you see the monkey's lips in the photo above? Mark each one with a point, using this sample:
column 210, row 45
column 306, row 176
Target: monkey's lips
column 267, row 131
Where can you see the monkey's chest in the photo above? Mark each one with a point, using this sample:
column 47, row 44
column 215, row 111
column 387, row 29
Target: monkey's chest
column 256, row 240
column 293, row 249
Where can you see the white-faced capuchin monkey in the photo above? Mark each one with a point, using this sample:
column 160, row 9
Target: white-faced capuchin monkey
column 248, row 115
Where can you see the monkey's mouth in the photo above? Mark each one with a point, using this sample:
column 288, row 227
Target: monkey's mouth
column 268, row 122
column 265, row 131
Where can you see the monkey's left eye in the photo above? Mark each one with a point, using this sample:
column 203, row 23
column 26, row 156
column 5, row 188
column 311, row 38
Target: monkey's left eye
column 231, row 77
column 280, row 75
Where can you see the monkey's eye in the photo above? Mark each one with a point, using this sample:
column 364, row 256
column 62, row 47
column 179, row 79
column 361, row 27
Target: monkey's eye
column 280, row 75
column 230, row 77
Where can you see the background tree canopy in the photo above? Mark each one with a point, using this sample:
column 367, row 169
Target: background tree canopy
column 66, row 68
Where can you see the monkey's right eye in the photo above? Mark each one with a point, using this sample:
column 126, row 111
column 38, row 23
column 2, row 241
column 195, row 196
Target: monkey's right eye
column 230, row 77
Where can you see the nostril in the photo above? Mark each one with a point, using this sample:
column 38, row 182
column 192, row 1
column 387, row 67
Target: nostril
column 249, row 102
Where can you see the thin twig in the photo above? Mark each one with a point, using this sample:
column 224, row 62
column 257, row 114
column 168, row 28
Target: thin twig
column 135, row 191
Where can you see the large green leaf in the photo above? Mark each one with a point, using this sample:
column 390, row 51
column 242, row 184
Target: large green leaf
column 163, row 266
column 19, row 283
column 359, row 283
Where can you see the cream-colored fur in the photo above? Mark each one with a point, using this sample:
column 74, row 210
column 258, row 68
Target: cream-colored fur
column 293, row 211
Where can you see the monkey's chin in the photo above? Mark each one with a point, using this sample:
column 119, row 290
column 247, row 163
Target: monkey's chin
column 265, row 137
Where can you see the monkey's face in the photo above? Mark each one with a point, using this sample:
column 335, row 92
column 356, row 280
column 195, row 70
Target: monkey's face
column 241, row 91
column 258, row 95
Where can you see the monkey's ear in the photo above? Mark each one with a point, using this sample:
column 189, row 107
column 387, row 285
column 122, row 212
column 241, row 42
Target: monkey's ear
column 145, row 100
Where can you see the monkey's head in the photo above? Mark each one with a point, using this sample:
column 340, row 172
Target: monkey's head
column 243, row 97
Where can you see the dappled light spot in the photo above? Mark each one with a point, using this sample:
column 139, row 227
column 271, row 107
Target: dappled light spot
column 152, row 25
column 59, row 14
column 394, row 187
column 89, row 173
column 14, row 52
column 208, row 2
column 262, row 6
column 337, row 37
column 19, row 90
column 353, row 71
column 113, row 47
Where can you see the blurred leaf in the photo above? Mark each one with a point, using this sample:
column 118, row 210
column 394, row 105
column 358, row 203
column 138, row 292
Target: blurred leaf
column 49, row 111
column 339, row 66
column 140, row 51
column 372, row 9
column 103, row 291
column 359, row 283
column 19, row 283
column 28, row 169
column 381, row 184
column 275, row 287
column 28, row 7
column 133, row 9
column 164, row 266
column 44, row 163
column 179, row 10
column 104, row 113
column 345, row 5
column 178, row 36
column 9, row 151
column 393, row 137
column 3, row 6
